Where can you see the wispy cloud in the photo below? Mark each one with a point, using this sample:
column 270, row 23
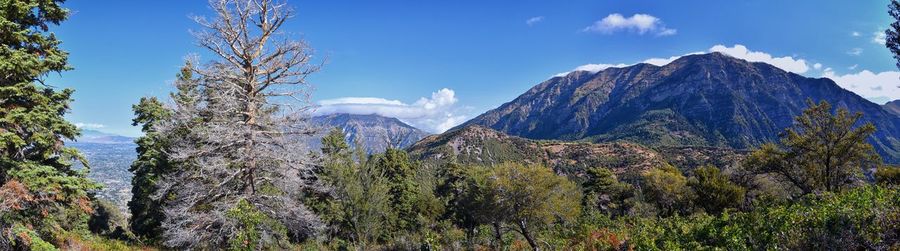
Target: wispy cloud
column 637, row 23
column 855, row 51
column 786, row 63
column 435, row 114
column 879, row 37
column 592, row 68
column 665, row 61
column 534, row 20
column 855, row 34
column 89, row 125
column 817, row 66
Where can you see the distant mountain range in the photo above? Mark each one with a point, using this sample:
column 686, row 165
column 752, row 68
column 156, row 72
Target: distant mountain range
column 98, row 137
column 697, row 100
column 893, row 107
column 375, row 133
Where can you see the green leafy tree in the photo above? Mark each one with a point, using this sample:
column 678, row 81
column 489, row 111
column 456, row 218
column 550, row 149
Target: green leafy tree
column 714, row 191
column 335, row 147
column 359, row 206
column 399, row 171
column 888, row 175
column 470, row 202
column 531, row 197
column 666, row 187
column 603, row 191
column 42, row 194
column 428, row 205
column 107, row 220
column 335, row 154
column 821, row 152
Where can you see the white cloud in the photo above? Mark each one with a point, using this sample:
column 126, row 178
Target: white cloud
column 89, row 125
column 435, row 114
column 818, row 66
column 665, row 61
column 592, row 68
column 882, row 86
column 534, row 20
column 855, row 51
column 637, row 23
column 853, row 67
column 785, row 63
column 855, row 34
column 597, row 67
column 879, row 37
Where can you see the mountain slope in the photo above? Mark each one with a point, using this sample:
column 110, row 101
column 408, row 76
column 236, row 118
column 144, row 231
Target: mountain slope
column 893, row 107
column 477, row 145
column 697, row 100
column 375, row 133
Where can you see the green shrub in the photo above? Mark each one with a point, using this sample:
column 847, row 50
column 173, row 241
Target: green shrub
column 888, row 175
column 861, row 218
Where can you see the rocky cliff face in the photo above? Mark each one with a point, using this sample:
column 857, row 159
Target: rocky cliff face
column 698, row 100
column 375, row 133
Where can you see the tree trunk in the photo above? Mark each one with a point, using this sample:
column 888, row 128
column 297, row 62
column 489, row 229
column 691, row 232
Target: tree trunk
column 470, row 236
column 527, row 236
column 498, row 236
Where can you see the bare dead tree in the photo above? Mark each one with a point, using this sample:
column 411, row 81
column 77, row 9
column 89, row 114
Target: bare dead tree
column 240, row 139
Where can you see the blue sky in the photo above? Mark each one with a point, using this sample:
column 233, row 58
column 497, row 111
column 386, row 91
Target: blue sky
column 438, row 63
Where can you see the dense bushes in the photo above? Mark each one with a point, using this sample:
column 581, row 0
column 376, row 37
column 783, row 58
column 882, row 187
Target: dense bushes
column 766, row 202
column 862, row 218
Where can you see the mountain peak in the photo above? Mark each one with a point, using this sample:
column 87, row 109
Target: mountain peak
column 710, row 99
column 375, row 132
column 715, row 60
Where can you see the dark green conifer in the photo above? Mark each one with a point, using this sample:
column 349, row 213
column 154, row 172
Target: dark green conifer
column 43, row 195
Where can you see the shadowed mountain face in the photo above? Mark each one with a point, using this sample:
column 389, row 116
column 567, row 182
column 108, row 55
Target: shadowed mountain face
column 893, row 107
column 375, row 133
column 698, row 100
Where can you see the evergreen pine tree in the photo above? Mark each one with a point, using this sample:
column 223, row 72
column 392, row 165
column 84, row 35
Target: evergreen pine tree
column 892, row 34
column 152, row 161
column 42, row 195
column 399, row 170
